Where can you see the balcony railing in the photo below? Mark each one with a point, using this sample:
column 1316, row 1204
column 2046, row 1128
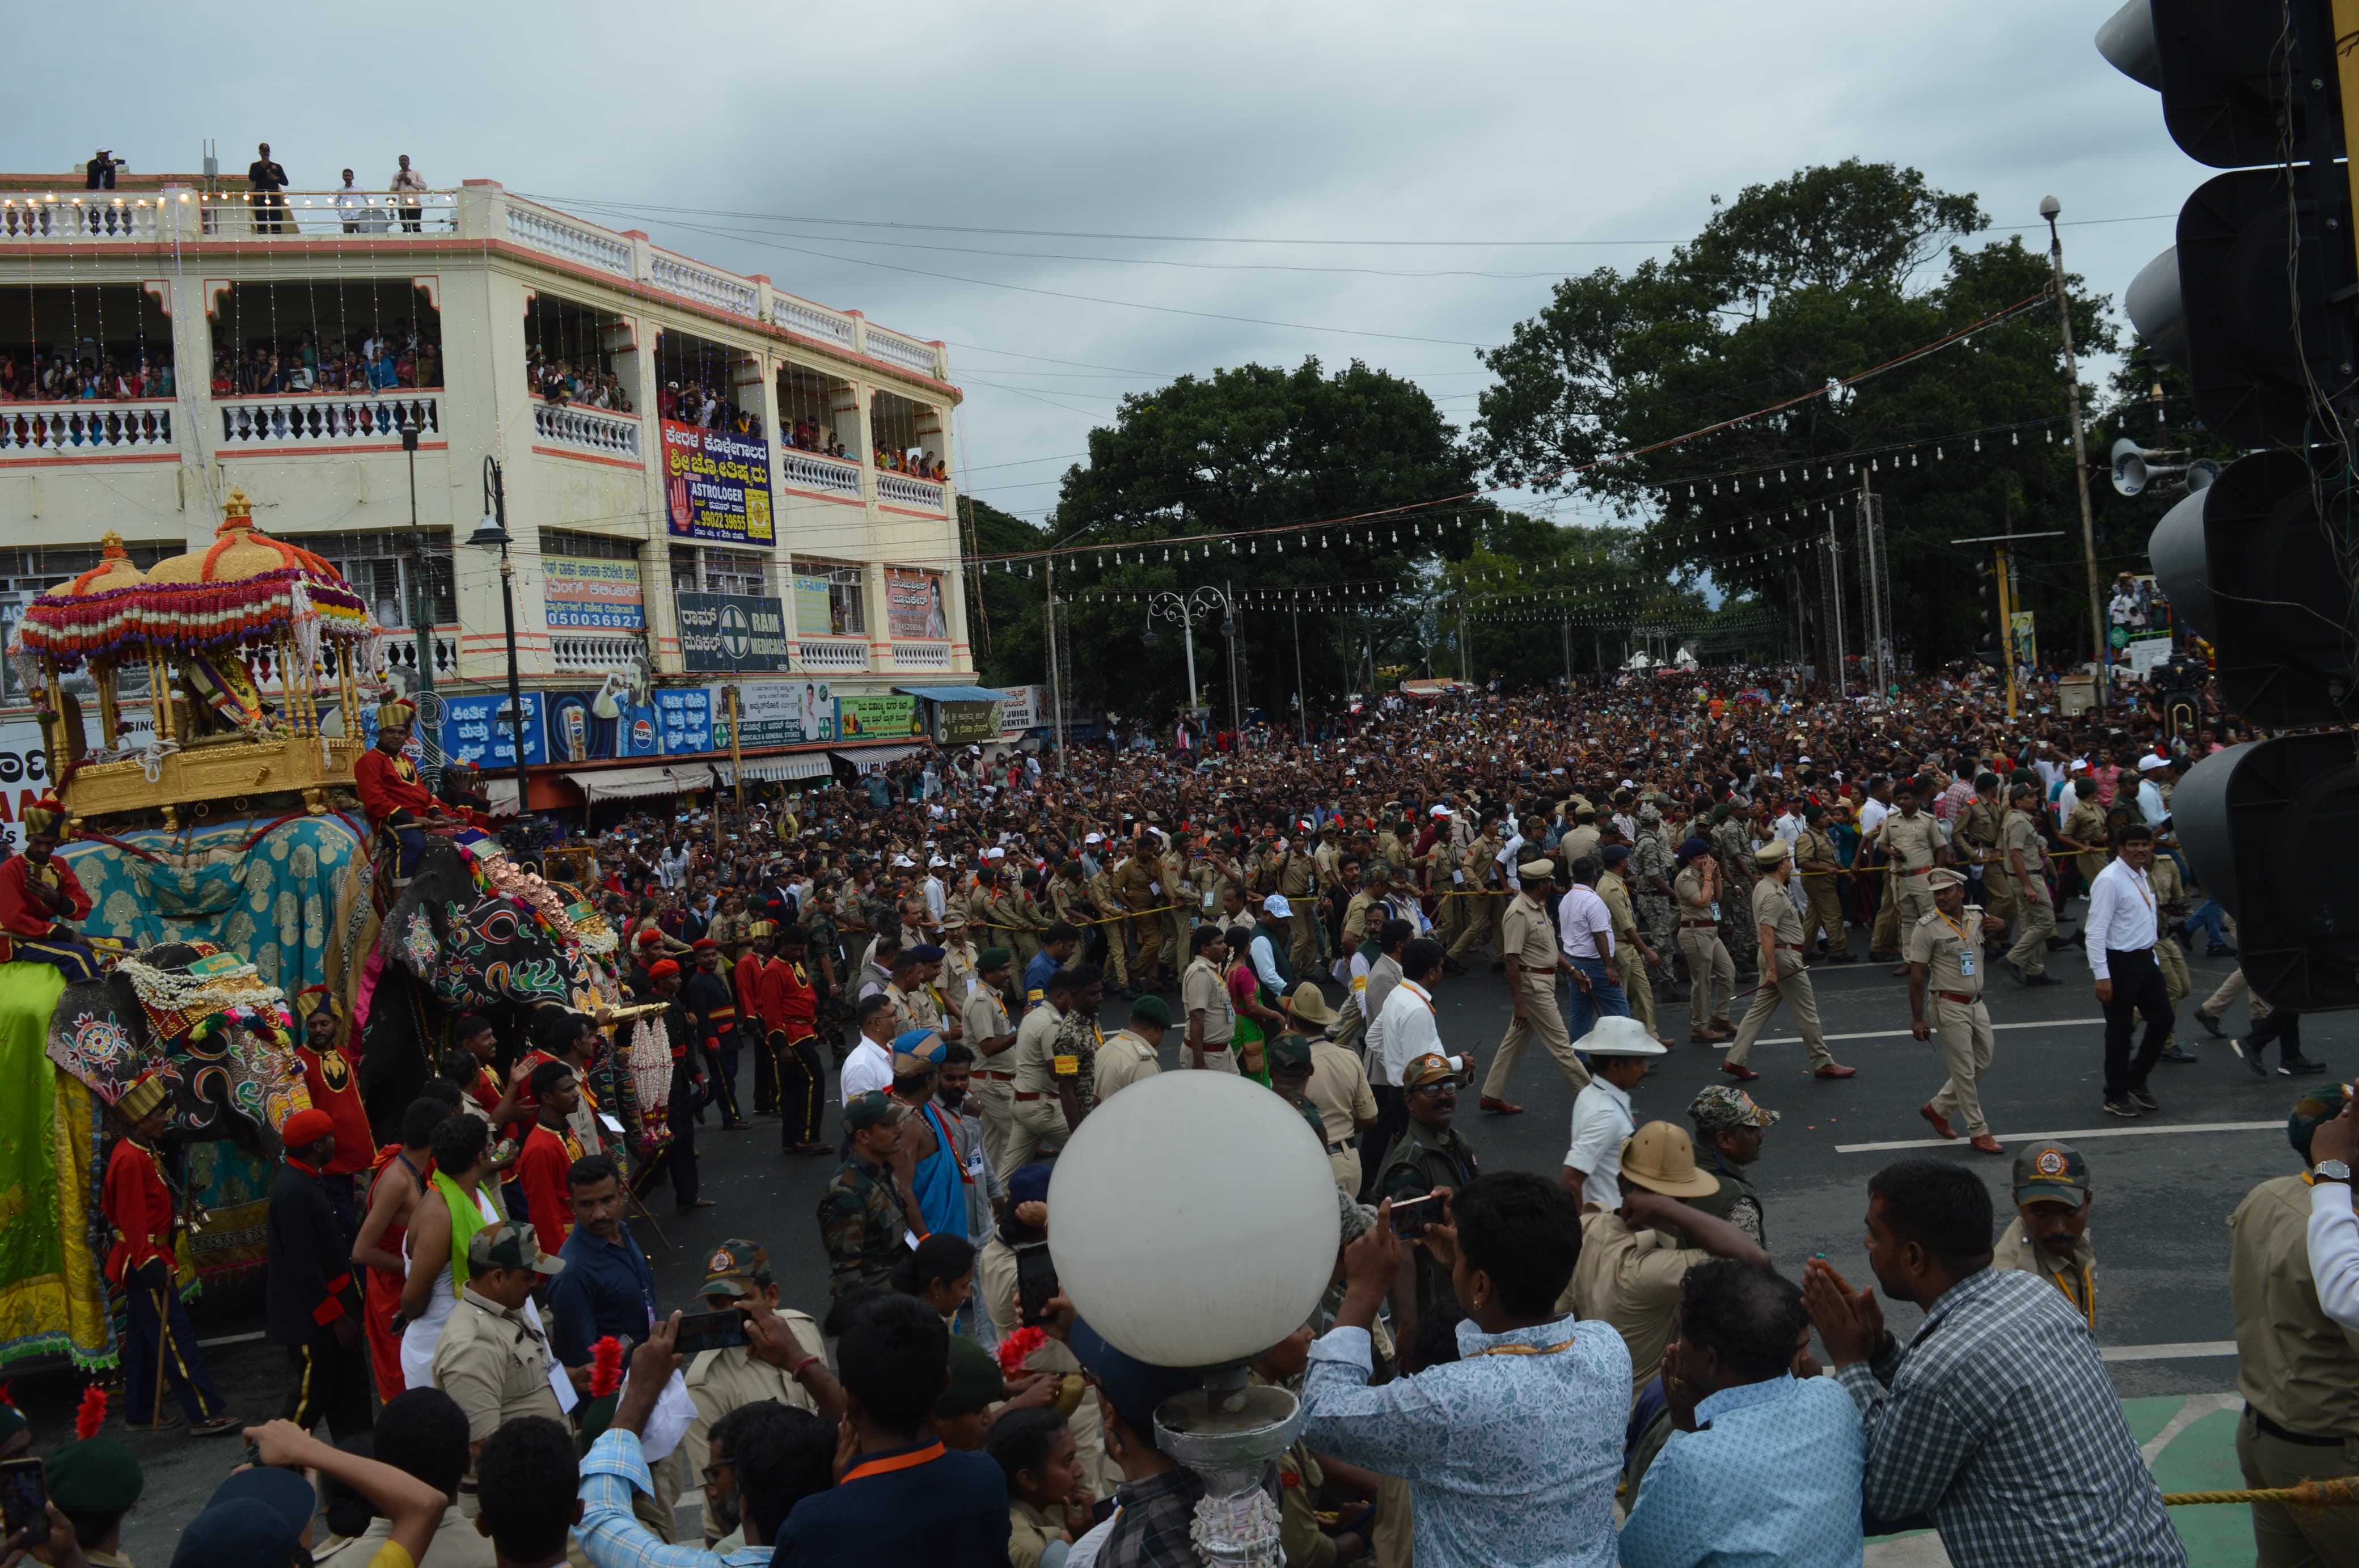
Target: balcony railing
column 593, row 655
column 304, row 420
column 590, row 430
column 922, row 656
column 828, row 475
column 707, row 287
column 827, row 656
column 553, row 233
column 800, row 315
column 401, row 654
column 900, row 490
column 70, row 430
column 906, row 353
column 321, row 214
column 36, row 217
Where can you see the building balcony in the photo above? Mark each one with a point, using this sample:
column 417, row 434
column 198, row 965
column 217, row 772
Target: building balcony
column 902, row 490
column 401, row 654
column 80, row 432
column 831, row 476
column 317, row 422
column 575, row 428
column 832, row 656
column 922, row 656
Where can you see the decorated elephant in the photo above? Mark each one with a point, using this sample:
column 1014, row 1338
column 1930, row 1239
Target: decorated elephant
column 205, row 1021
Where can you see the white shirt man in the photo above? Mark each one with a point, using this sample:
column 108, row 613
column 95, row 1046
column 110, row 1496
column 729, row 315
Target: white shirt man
column 1584, row 926
column 870, row 1066
column 1602, row 1121
column 934, row 891
column 2121, row 916
column 1872, row 812
column 2151, row 808
column 1509, row 858
column 1408, row 1031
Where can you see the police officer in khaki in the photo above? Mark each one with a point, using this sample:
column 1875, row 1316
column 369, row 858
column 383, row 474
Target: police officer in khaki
column 1047, row 1088
column 2050, row 1235
column 1632, row 956
column 1204, row 997
column 1784, row 978
column 1981, row 823
column 1816, row 864
column 732, row 1377
column 1711, row 973
column 1135, row 882
column 2297, row 1368
column 2024, row 858
column 1945, row 997
column 491, row 1360
column 991, row 1037
column 1337, row 1089
column 1915, row 841
column 1292, row 874
column 1482, row 888
column 1132, row 1051
column 1529, row 944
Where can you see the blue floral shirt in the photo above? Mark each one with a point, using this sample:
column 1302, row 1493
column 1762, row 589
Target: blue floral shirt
column 1511, row 1453
column 1771, row 1474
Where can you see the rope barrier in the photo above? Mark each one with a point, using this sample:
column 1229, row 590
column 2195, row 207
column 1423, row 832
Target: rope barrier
column 2342, row 1492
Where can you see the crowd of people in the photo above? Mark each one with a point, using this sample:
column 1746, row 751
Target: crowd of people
column 115, row 377
column 369, row 359
column 561, row 382
column 1587, row 1364
column 919, row 461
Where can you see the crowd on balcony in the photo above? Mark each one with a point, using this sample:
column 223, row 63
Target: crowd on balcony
column 809, row 435
column 920, row 463
column 696, row 404
column 370, row 361
column 561, row 382
column 36, row 377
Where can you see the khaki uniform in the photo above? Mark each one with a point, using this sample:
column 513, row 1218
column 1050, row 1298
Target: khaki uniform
column 1068, row 901
column 912, row 1009
column 1122, row 1060
column 1772, row 908
column 1711, row 973
column 494, row 1363
column 2168, row 889
column 2299, row 1368
column 1815, row 866
column 1108, row 905
column 1038, row 1124
column 1629, row 967
column 729, row 1378
column 995, row 1076
column 2075, row 1276
column 1980, row 826
column 1355, row 919
column 1632, row 1280
column 995, row 1279
column 1203, row 989
column 1171, row 884
column 1339, row 1090
column 1581, row 843
column 1294, row 884
column 1526, row 937
column 1482, row 901
column 1912, row 843
column 2035, row 911
column 1135, row 881
column 1446, row 866
column 2085, row 824
column 1030, row 1531
column 1953, row 1005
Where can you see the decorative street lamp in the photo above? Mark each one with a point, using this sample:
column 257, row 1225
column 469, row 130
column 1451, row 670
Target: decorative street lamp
column 1184, row 609
column 1203, row 1277
column 491, row 534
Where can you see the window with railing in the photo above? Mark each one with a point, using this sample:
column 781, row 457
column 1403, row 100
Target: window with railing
column 908, row 435
column 700, row 382
column 814, row 408
column 568, row 355
column 700, row 568
column 343, row 335
column 83, row 342
column 829, row 600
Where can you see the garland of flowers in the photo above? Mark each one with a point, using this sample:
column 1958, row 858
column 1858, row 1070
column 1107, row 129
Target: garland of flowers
column 203, row 1005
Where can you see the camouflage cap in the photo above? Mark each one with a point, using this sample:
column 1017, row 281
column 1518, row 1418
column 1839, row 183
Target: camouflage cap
column 509, row 1244
column 735, row 1268
column 874, row 1108
column 1726, row 1105
column 1289, row 1053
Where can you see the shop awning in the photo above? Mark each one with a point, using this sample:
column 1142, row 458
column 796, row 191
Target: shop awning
column 953, row 694
column 878, row 756
column 629, row 783
column 800, row 765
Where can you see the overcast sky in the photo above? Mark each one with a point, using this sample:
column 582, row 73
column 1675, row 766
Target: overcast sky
column 1470, row 155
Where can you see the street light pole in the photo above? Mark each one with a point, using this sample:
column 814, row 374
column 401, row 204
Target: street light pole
column 491, row 534
column 2100, row 654
column 421, row 612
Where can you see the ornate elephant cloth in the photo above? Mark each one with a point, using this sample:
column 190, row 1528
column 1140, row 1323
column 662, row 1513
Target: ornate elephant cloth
column 295, row 903
column 51, row 1298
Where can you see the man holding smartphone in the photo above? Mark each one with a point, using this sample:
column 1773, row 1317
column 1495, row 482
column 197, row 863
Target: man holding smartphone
column 1430, row 1153
column 725, row 1378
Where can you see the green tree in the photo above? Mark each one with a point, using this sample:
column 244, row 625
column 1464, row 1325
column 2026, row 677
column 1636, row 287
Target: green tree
column 1822, row 277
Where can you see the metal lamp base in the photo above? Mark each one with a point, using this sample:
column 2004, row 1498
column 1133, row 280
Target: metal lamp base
column 1228, row 1435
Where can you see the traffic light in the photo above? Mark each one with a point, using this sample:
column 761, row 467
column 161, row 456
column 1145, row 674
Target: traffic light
column 2256, row 302
column 1991, row 646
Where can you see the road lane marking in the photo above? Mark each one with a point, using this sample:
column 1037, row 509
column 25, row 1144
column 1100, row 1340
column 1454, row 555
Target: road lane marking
column 2190, row 1351
column 2075, row 1133
column 1902, row 1034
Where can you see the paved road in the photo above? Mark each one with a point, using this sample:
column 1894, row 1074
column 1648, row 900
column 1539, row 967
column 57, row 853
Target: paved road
column 2164, row 1186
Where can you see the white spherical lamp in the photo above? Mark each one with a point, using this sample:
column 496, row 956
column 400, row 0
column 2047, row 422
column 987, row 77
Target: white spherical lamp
column 1193, row 1219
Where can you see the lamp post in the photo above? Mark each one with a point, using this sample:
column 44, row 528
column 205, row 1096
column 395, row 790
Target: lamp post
column 2101, row 655
column 491, row 534
column 1184, row 609
column 420, row 611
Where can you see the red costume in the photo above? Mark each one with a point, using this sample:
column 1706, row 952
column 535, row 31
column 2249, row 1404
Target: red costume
column 541, row 1169
column 789, row 1005
column 748, row 977
column 389, row 790
column 22, row 909
column 139, row 1206
column 328, row 1078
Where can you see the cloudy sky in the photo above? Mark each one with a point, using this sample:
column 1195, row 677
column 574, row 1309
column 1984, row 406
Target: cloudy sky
column 1085, row 201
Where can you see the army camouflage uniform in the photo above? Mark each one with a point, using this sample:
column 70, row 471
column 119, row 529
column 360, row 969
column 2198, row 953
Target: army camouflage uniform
column 1080, row 1038
column 1650, row 858
column 861, row 1225
column 825, row 938
column 1731, row 847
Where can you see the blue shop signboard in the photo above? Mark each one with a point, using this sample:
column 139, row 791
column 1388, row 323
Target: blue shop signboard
column 475, row 730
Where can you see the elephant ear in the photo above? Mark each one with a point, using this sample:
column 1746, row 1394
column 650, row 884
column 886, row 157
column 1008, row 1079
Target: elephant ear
column 99, row 1035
